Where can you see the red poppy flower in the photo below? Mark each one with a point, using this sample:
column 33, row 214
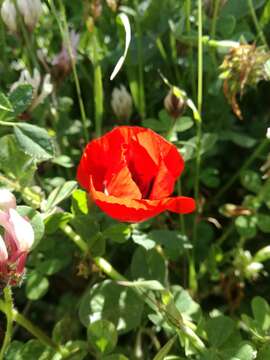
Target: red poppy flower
column 130, row 172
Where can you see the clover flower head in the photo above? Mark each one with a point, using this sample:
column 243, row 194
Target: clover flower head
column 31, row 11
column 9, row 15
column 121, row 103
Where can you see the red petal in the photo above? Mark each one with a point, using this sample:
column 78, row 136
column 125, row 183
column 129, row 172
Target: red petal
column 119, row 182
column 164, row 183
column 130, row 210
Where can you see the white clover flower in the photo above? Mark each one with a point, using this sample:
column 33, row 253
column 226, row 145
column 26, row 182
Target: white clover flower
column 31, row 11
column 9, row 15
column 121, row 103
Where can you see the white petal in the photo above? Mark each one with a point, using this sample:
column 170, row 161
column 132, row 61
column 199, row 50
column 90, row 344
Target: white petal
column 3, row 250
column 23, row 231
column 7, row 200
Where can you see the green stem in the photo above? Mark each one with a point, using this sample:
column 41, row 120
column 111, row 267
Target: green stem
column 107, row 268
column 9, row 315
column 66, row 39
column 98, row 88
column 193, row 280
column 246, row 164
column 29, row 326
column 214, row 20
column 188, row 30
column 140, row 64
column 34, row 330
column 256, row 23
column 75, row 238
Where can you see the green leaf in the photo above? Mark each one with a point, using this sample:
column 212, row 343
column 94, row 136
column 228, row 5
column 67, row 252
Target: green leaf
column 36, row 285
column 21, row 98
column 148, row 265
column 118, row 233
column 59, row 194
column 65, row 329
column 264, row 223
column 143, row 240
column 261, row 312
column 80, row 202
column 34, row 141
column 14, row 162
column 251, row 180
column 210, row 177
column 173, row 242
column 244, row 351
column 32, row 349
column 51, row 266
column 264, row 352
column 143, row 284
column 184, row 302
column 183, row 123
column 115, row 357
column 238, row 138
column 219, row 330
column 246, row 226
column 102, row 336
column 226, row 25
column 55, row 221
column 239, row 8
column 124, row 308
column 156, row 125
column 165, row 349
column 5, row 105
column 36, row 221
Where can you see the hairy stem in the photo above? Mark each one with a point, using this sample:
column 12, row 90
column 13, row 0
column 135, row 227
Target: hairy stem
column 9, row 315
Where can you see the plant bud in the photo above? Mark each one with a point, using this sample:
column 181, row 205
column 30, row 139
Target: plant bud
column 31, row 11
column 174, row 105
column 18, row 237
column 121, row 103
column 7, row 200
column 9, row 14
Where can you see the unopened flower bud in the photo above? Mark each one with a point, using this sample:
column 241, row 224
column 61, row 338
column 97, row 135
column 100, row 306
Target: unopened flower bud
column 7, row 200
column 21, row 230
column 121, row 103
column 14, row 245
column 9, row 14
column 31, row 11
column 174, row 105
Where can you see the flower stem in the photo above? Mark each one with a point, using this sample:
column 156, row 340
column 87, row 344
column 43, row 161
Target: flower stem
column 214, row 20
column 192, row 277
column 107, row 268
column 98, row 88
column 75, row 238
column 256, row 23
column 9, row 315
column 188, row 30
column 66, row 38
column 140, row 64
